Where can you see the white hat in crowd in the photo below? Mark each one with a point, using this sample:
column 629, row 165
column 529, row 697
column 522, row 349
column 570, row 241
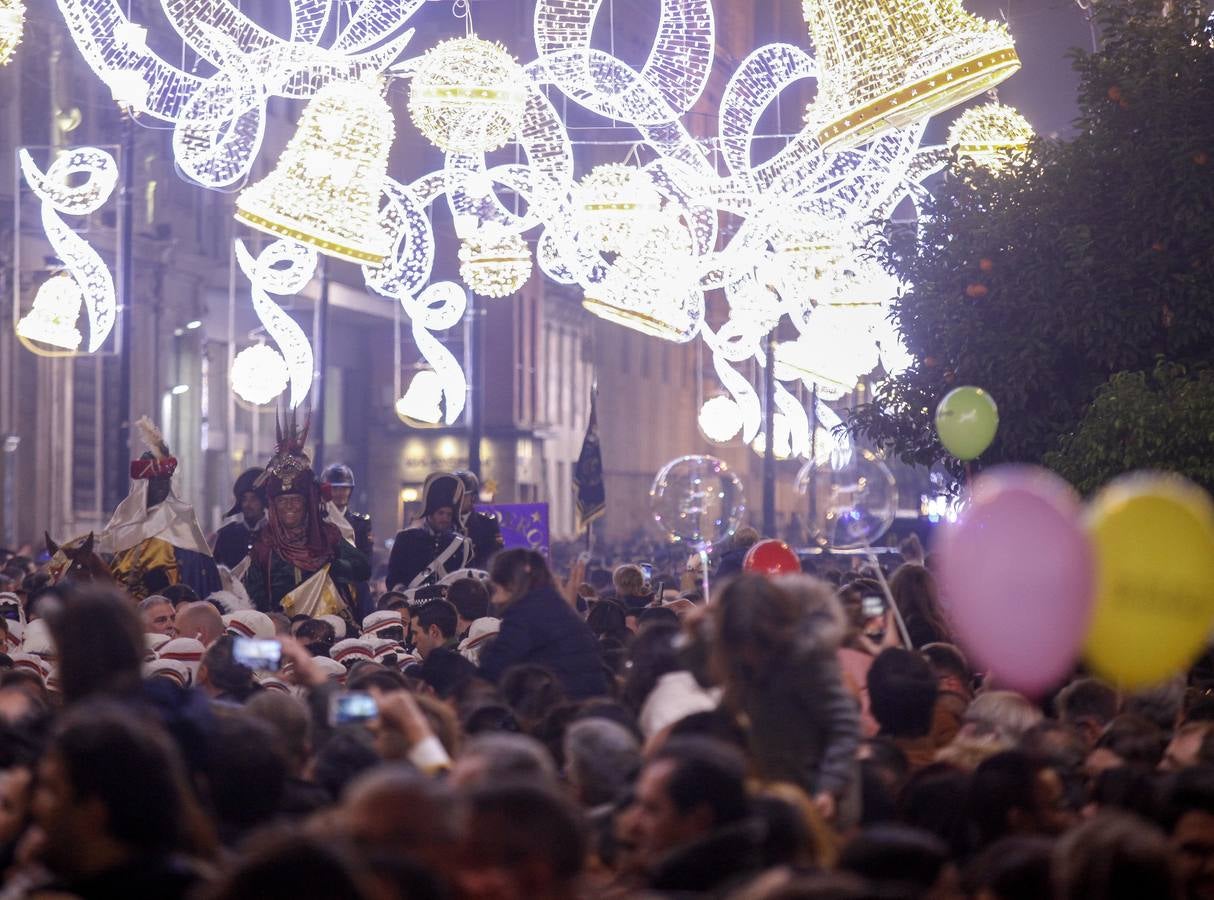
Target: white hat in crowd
column 249, row 623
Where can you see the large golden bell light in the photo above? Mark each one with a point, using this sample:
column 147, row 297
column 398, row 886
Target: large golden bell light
column 990, row 135
column 468, row 95
column 886, row 64
column 12, row 26
column 494, row 263
column 326, row 187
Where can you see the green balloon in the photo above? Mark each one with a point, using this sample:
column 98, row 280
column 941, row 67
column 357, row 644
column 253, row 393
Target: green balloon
column 966, row 421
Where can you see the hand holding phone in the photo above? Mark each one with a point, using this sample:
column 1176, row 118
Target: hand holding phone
column 352, row 708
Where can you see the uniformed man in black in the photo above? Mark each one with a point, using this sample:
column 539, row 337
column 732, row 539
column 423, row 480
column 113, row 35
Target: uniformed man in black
column 242, row 522
column 483, row 530
column 429, row 551
column 340, row 479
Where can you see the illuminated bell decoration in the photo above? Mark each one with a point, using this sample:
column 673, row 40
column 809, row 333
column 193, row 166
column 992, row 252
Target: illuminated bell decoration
column 806, row 253
column 468, row 95
column 494, row 264
column 259, row 374
column 836, row 349
column 647, row 290
column 887, row 64
column 326, row 187
column 52, row 320
column 422, row 399
column 614, row 203
column 12, row 25
column 989, row 135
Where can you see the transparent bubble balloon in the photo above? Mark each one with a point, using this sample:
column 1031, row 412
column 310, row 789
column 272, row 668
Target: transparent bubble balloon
column 697, row 501
column 853, row 499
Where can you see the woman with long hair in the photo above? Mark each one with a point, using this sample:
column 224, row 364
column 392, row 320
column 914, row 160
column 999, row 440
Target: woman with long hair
column 914, row 591
column 774, row 655
column 539, row 627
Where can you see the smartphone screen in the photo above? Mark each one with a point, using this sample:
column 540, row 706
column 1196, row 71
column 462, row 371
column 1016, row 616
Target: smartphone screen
column 257, row 654
column 647, row 571
column 871, row 607
column 352, row 707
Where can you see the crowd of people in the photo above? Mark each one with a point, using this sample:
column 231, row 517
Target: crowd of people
column 478, row 725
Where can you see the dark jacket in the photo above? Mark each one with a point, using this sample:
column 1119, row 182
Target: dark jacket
column 415, row 548
column 233, row 543
column 804, row 724
column 485, row 532
column 713, row 865
column 541, row 629
column 731, row 562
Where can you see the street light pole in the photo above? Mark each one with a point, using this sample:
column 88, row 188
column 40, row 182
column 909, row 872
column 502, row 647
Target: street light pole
column 474, row 364
column 125, row 290
column 769, row 442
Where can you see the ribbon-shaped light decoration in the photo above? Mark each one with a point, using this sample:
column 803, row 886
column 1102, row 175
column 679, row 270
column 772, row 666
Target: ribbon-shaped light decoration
column 87, row 278
column 439, row 307
column 283, row 268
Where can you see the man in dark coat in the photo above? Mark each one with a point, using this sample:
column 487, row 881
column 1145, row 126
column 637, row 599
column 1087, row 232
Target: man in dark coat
column 235, row 538
column 483, row 530
column 426, row 553
column 340, row 480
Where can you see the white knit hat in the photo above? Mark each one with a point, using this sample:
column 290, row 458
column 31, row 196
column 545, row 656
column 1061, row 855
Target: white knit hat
column 249, row 623
column 37, row 639
column 184, row 650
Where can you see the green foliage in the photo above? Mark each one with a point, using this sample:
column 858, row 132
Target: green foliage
column 1085, row 258
column 1139, row 420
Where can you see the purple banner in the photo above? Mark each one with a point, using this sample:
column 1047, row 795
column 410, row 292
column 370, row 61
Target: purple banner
column 523, row 524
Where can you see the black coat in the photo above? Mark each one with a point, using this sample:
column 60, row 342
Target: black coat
column 361, row 523
column 485, row 532
column 541, row 629
column 416, row 548
column 233, row 543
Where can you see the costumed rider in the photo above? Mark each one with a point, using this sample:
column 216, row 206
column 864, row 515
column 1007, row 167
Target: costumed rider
column 426, row 553
column 483, row 530
column 153, row 537
column 300, row 564
column 242, row 522
column 355, row 527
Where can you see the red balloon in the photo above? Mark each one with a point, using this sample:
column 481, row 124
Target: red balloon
column 771, row 557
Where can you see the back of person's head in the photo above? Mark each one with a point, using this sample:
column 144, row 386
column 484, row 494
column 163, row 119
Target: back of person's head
column 601, row 760
column 1114, row 856
column 1188, row 791
column 130, row 767
column 608, row 619
column 495, row 756
column 100, row 644
column 392, row 600
column 705, row 773
column 745, row 538
column 628, row 580
column 913, row 588
column 652, row 654
column 657, row 615
column 246, row 772
column 470, row 598
column 520, row 571
column 933, row 800
column 446, row 671
column 1005, row 714
column 342, row 758
column 289, row 865
column 1161, row 703
column 1087, row 699
column 528, row 830
column 200, row 621
column 223, row 673
column 1001, row 784
column 180, row 593
column 1055, row 741
column 291, row 721
column 1014, row 868
column 894, row 856
column 489, row 717
column 715, row 724
column 757, row 623
column 437, row 613
column 531, row 691
column 1132, row 789
column 902, row 693
column 317, row 635
column 1134, row 739
column 946, row 661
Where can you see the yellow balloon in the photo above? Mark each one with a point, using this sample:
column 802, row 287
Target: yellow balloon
column 1153, row 537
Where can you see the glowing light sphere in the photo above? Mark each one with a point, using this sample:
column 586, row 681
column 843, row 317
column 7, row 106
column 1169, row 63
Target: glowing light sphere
column 468, row 95
column 494, row 263
column 259, row 374
column 990, row 135
column 12, row 27
column 326, row 187
column 887, row 64
column 52, row 320
column 697, row 500
column 613, row 204
column 855, row 500
column 720, row 419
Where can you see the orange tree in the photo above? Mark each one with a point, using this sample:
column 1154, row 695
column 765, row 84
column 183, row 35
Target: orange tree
column 1085, row 258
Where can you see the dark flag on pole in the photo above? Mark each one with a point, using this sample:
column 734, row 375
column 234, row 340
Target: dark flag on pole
column 588, row 473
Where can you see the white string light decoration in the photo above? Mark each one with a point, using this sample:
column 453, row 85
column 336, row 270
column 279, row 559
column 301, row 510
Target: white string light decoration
column 439, row 307
column 494, row 262
column 52, row 320
column 259, row 374
column 61, row 191
column 12, row 27
column 326, row 187
column 468, row 95
column 889, row 64
column 283, row 268
column 614, row 204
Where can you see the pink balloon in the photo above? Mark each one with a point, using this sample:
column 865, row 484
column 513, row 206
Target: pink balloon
column 1017, row 575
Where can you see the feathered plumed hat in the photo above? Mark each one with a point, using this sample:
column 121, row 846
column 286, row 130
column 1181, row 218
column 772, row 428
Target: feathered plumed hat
column 156, row 461
column 290, row 469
